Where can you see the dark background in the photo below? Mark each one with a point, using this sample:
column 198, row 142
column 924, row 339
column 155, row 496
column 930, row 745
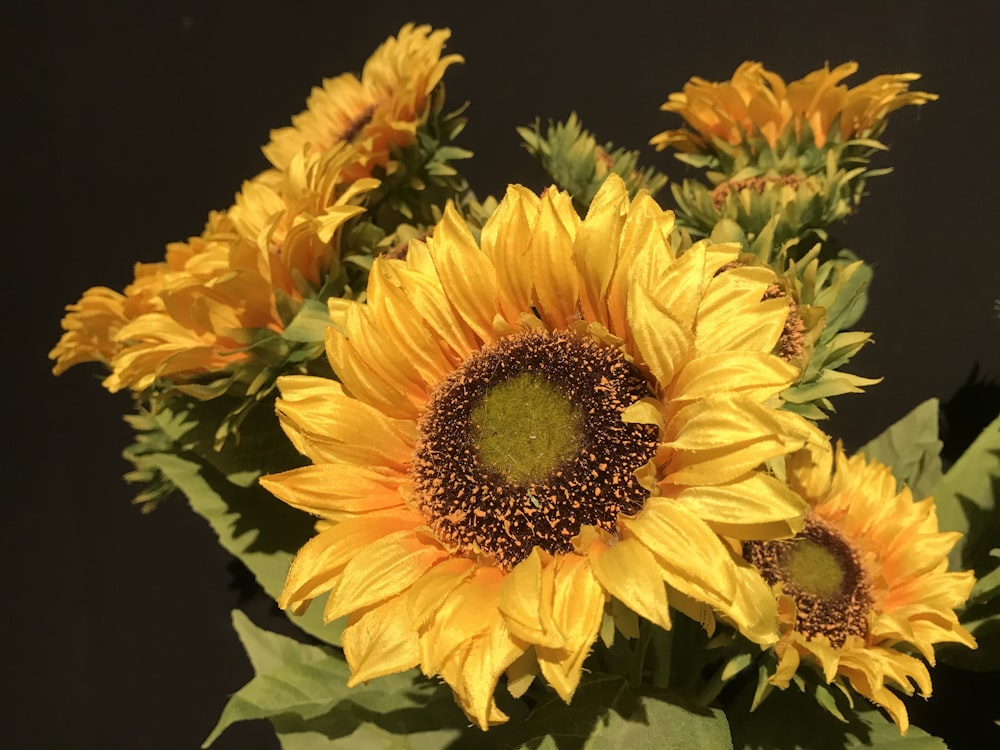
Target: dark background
column 125, row 123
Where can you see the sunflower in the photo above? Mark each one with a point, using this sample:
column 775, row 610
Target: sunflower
column 380, row 110
column 92, row 326
column 197, row 312
column 757, row 102
column 534, row 434
column 863, row 583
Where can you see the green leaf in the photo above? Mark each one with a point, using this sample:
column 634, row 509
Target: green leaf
column 302, row 690
column 911, row 448
column 794, row 720
column 291, row 677
column 251, row 524
column 309, row 324
column 966, row 499
column 988, row 586
column 606, row 712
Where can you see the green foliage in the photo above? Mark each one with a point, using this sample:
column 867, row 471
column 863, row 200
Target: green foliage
column 607, row 712
column 966, row 500
column 571, row 156
column 302, row 689
column 911, row 448
column 175, row 450
column 794, row 719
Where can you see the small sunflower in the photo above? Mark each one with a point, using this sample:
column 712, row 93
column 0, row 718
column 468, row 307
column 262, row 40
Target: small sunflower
column 380, row 110
column 757, row 102
column 532, row 432
column 863, row 583
column 196, row 313
column 93, row 325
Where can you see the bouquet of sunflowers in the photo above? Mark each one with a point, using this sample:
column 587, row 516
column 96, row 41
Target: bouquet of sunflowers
column 549, row 470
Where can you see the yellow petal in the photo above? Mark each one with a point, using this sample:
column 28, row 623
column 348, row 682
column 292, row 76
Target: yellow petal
column 505, row 241
column 379, row 641
column 663, row 341
column 476, row 670
column 578, row 607
column 321, row 560
column 756, row 506
column 697, row 561
column 526, row 600
column 467, row 611
column 556, row 283
column 432, row 306
column 329, row 426
column 757, row 375
column 595, row 238
column 466, row 273
column 335, row 491
column 722, row 437
column 628, row 571
column 381, row 570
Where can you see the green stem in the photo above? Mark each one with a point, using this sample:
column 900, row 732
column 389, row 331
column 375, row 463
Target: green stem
column 712, row 687
column 663, row 651
column 639, row 655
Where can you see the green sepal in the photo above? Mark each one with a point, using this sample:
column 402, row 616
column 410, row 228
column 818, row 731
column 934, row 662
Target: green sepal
column 576, row 163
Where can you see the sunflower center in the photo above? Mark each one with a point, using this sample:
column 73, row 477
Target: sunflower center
column 813, row 568
column 526, row 428
column 524, row 443
column 823, row 573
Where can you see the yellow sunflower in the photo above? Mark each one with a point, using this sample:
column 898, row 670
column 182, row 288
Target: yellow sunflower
column 758, row 102
column 381, row 109
column 197, row 312
column 534, row 434
column 92, row 326
column 863, row 582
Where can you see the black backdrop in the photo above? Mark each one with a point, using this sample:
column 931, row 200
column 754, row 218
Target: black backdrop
column 126, row 122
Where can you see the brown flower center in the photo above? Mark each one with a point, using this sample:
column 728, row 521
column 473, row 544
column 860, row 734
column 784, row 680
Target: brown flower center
column 822, row 572
column 524, row 444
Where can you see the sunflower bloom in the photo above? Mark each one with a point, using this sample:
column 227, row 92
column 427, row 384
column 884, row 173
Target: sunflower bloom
column 532, row 434
column 196, row 313
column 757, row 102
column 92, row 326
column 867, row 573
column 381, row 110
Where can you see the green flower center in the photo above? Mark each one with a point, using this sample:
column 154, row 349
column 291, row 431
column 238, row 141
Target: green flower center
column 524, row 443
column 822, row 571
column 526, row 428
column 813, row 568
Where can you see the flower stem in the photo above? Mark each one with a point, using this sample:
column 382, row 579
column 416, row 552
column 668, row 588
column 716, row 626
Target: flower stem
column 639, row 655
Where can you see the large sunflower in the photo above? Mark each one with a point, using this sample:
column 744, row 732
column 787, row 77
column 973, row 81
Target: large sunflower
column 865, row 581
column 380, row 110
column 534, row 434
column 758, row 102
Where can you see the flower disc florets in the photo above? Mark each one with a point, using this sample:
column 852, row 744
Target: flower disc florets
column 525, row 443
column 822, row 572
